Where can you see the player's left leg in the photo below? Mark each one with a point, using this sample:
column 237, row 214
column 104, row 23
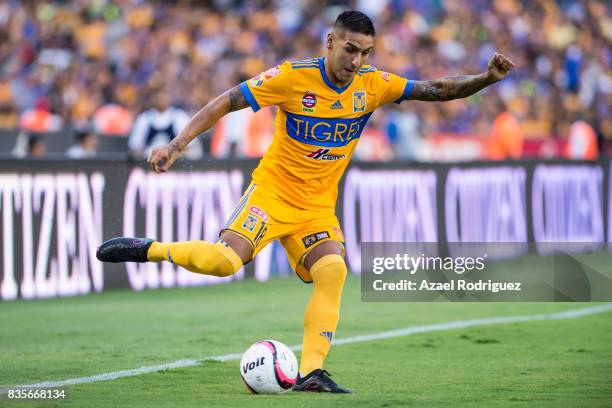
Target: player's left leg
column 324, row 266
column 328, row 271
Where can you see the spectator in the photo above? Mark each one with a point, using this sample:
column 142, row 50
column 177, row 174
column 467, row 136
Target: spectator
column 506, row 139
column 8, row 112
column 36, row 146
column 582, row 143
column 75, row 53
column 159, row 125
column 373, row 143
column 112, row 119
column 86, row 145
column 243, row 134
column 40, row 119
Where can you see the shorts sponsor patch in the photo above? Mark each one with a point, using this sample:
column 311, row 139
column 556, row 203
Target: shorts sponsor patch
column 249, row 223
column 310, row 240
column 259, row 212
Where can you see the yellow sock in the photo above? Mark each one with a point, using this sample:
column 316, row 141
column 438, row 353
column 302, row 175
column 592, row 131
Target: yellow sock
column 198, row 256
column 323, row 311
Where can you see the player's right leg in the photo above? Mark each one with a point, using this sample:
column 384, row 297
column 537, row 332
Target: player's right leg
column 223, row 258
column 239, row 240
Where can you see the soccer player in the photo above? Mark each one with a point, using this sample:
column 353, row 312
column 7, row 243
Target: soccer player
column 323, row 106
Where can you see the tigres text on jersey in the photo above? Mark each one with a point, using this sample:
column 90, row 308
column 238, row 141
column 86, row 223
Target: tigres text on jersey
column 317, row 126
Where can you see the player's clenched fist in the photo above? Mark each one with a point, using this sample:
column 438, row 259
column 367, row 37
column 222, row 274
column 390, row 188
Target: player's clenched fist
column 498, row 67
column 162, row 157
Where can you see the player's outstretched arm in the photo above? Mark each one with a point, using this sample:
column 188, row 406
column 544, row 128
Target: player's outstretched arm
column 445, row 89
column 164, row 156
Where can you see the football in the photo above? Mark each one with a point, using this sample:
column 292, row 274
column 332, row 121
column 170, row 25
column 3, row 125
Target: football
column 268, row 367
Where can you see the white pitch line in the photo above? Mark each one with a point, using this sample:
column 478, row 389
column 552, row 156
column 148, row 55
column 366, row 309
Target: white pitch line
column 408, row 331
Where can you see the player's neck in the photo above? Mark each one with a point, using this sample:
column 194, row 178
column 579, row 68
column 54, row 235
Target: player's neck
column 330, row 75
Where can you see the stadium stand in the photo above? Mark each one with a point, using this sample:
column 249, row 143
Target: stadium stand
column 79, row 56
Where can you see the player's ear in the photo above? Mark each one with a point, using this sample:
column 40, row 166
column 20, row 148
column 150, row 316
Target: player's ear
column 330, row 40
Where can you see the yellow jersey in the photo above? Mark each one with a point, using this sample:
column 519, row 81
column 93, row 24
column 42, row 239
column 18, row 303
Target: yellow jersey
column 317, row 126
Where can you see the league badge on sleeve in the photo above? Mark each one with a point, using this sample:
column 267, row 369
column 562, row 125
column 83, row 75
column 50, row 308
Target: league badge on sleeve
column 265, row 76
column 257, row 81
column 359, row 101
column 272, row 72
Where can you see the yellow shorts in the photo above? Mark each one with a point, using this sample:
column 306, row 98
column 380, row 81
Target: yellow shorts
column 261, row 217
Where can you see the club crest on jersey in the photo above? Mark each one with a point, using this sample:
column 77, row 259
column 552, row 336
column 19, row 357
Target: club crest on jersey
column 385, row 75
column 322, row 154
column 259, row 213
column 337, row 105
column 249, row 223
column 309, row 100
column 359, row 101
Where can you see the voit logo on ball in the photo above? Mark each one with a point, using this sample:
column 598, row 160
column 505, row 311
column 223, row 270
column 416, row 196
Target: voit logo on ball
column 309, row 100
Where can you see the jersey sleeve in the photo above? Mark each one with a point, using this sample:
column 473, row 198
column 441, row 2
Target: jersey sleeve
column 392, row 88
column 268, row 88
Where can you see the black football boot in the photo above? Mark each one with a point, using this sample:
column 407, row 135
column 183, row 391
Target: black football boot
column 319, row 381
column 124, row 250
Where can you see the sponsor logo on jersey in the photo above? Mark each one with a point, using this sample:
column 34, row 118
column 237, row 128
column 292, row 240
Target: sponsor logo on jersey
column 385, row 75
column 337, row 105
column 259, row 212
column 359, row 101
column 310, row 240
column 328, row 335
column 249, row 223
column 309, row 100
column 327, row 132
column 322, row 154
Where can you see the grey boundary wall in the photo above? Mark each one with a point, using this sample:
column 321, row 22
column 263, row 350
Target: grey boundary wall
column 54, row 213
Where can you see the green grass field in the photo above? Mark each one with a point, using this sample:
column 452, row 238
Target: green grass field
column 537, row 363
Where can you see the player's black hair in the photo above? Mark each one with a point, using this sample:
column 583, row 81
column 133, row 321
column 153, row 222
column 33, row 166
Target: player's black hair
column 355, row 21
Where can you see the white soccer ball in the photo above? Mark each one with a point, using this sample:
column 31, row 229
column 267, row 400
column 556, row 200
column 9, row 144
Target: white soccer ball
column 268, row 367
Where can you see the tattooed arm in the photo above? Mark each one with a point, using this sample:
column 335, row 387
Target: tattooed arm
column 445, row 89
column 163, row 157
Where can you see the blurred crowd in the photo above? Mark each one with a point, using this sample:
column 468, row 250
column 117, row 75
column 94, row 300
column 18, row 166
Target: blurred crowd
column 96, row 65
